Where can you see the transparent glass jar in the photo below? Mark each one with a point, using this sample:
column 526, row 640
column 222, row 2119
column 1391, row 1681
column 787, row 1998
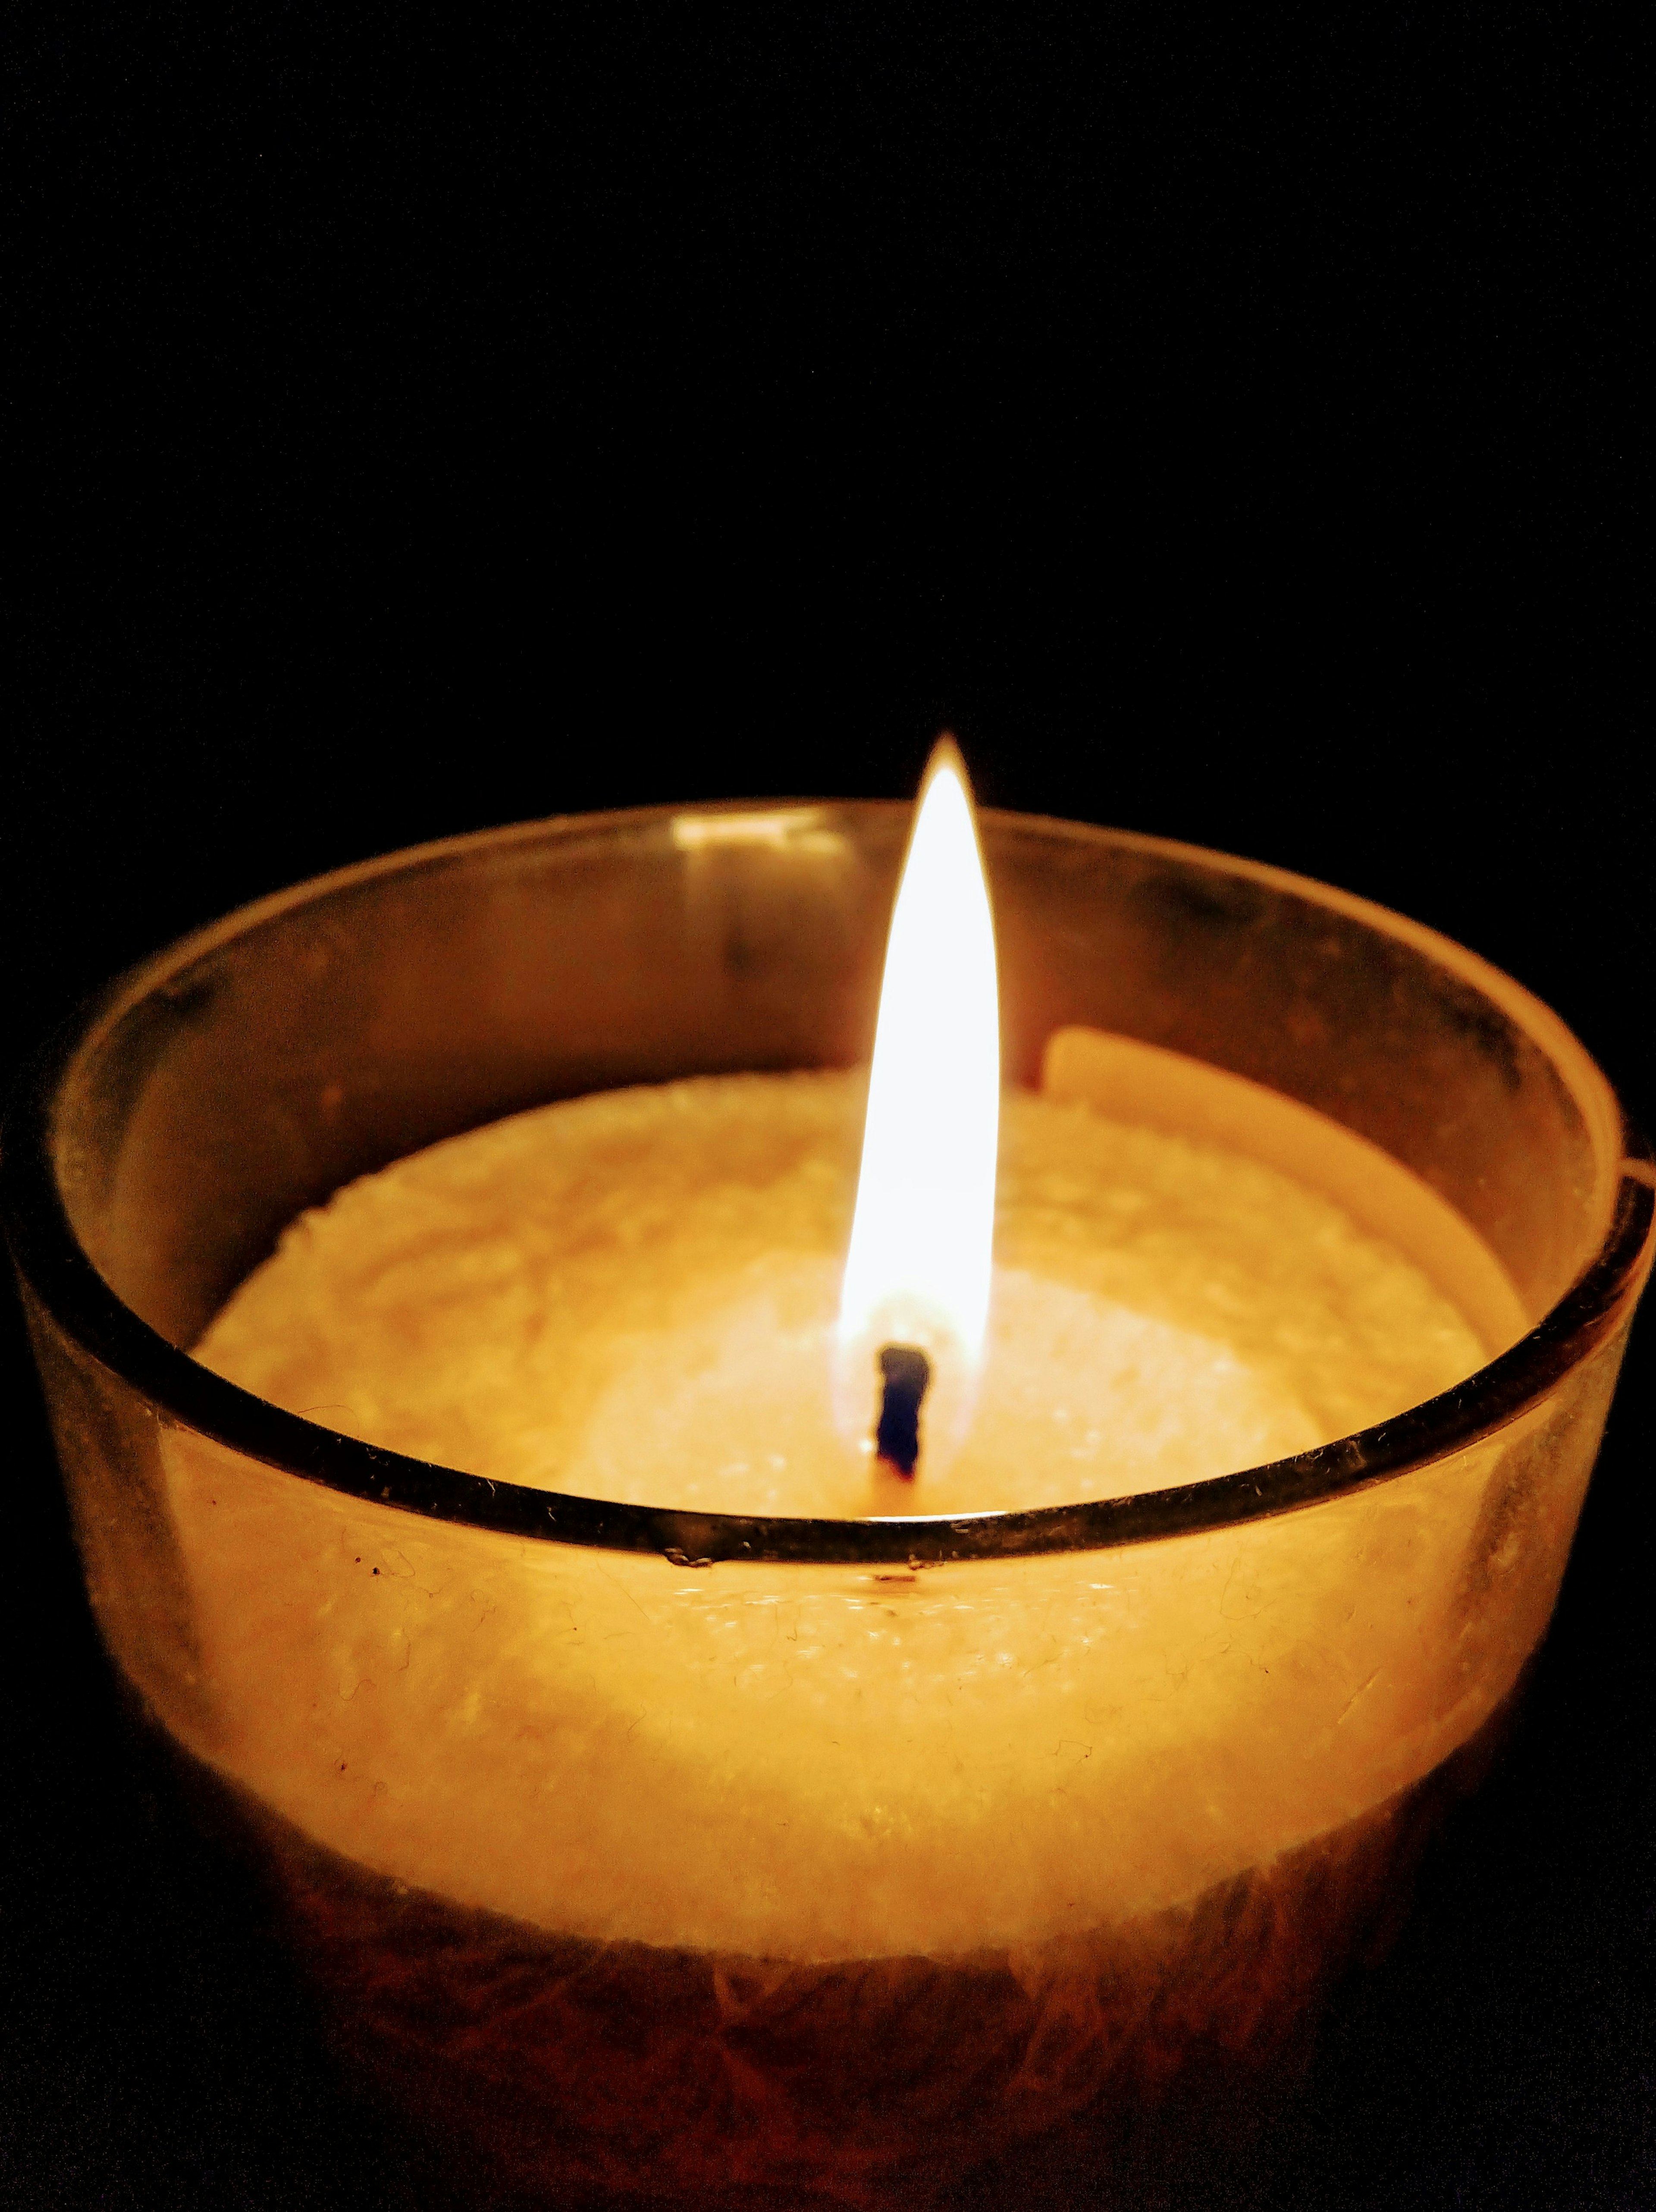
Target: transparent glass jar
column 1262, row 1686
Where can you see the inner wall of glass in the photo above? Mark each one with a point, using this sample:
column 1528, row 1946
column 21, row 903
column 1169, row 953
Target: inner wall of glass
column 401, row 1005
column 801, row 1760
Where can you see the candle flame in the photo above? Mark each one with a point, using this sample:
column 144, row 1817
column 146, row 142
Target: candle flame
column 918, row 1271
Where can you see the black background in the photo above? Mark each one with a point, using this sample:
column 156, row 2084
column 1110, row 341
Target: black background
column 417, row 425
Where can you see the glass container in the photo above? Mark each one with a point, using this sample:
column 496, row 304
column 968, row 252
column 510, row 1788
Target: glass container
column 1288, row 1669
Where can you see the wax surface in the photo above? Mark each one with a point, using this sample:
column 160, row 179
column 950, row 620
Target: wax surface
column 632, row 1296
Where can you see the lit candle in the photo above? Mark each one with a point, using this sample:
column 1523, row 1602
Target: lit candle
column 634, row 1296
column 1015, row 1784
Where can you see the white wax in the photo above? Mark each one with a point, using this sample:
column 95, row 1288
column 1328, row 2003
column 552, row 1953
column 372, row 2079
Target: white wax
column 632, row 1296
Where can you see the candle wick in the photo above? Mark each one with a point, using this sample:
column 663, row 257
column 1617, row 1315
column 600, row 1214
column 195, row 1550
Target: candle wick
column 907, row 1375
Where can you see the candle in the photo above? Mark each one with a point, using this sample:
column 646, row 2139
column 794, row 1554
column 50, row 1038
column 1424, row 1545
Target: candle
column 636, row 1294
column 894, row 1839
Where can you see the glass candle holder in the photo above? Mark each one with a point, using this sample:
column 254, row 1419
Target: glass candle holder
column 1298, row 1746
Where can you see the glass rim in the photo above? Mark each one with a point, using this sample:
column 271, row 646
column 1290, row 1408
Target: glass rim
column 59, row 1273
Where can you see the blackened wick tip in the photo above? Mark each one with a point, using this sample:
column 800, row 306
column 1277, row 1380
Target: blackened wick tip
column 907, row 1376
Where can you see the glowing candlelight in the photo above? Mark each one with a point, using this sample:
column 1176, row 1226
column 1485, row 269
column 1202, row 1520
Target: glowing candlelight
column 665, row 1805
column 918, row 1271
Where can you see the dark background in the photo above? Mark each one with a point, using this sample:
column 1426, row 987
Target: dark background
column 415, row 426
